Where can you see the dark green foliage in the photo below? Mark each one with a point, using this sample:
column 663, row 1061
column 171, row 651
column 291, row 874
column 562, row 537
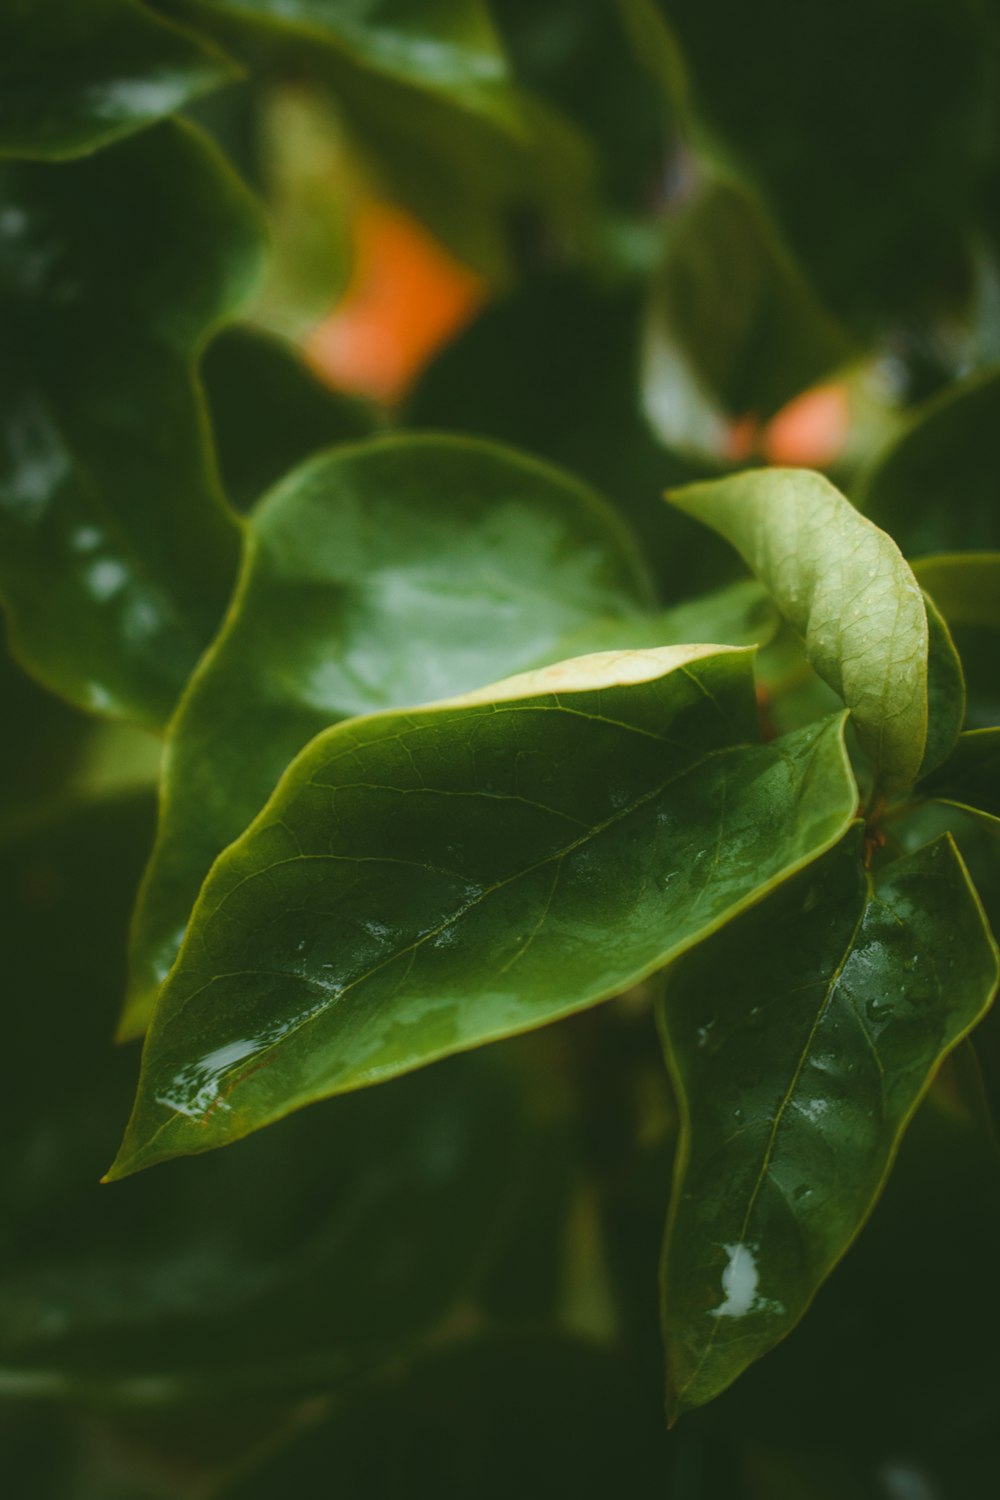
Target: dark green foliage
column 594, row 943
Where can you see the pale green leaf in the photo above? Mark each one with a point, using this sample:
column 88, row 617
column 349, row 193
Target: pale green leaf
column 847, row 590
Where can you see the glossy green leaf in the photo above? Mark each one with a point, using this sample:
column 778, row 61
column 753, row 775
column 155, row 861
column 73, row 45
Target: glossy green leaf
column 389, row 574
column 490, row 1418
column 427, row 881
column 77, row 74
column 936, row 488
column 734, row 310
column 332, row 1242
column 117, row 553
column 269, row 411
column 576, row 401
column 970, row 777
column 801, row 1040
column 847, row 590
column 741, row 614
column 867, row 131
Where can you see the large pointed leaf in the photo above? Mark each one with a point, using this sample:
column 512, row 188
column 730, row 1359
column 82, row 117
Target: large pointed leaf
column 405, row 570
column 331, row 1242
column 116, row 551
column 970, row 777
column 936, row 489
column 76, row 74
column 846, row 588
column 801, row 1039
column 427, row 881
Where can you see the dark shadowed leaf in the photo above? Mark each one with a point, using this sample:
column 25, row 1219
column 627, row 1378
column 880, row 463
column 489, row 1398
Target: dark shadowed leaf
column 390, row 574
column 945, row 690
column 77, row 74
column 874, row 196
column 118, row 553
column 269, row 411
column 427, row 881
column 734, row 310
column 970, row 777
column 324, row 1245
column 937, row 488
column 801, row 1040
column 528, row 1416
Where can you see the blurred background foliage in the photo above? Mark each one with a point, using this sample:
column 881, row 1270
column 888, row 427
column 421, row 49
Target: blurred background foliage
column 647, row 242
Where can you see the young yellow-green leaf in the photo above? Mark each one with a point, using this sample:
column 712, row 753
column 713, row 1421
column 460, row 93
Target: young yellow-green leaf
column 77, row 74
column 847, row 590
column 117, row 553
column 427, row 881
column 377, row 576
column 970, row 777
column 936, row 488
column 801, row 1039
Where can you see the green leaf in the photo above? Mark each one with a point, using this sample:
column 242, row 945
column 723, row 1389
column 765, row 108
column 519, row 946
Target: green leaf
column 741, row 614
column 847, row 590
column 936, row 487
column 425, row 95
column 427, row 881
column 532, row 1416
column 945, row 691
column 448, row 46
column 970, row 777
column 734, row 309
column 389, row 574
column 334, row 1241
column 307, row 184
column 965, row 586
column 576, row 401
column 801, row 1040
column 117, row 553
column 78, row 74
column 269, row 412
